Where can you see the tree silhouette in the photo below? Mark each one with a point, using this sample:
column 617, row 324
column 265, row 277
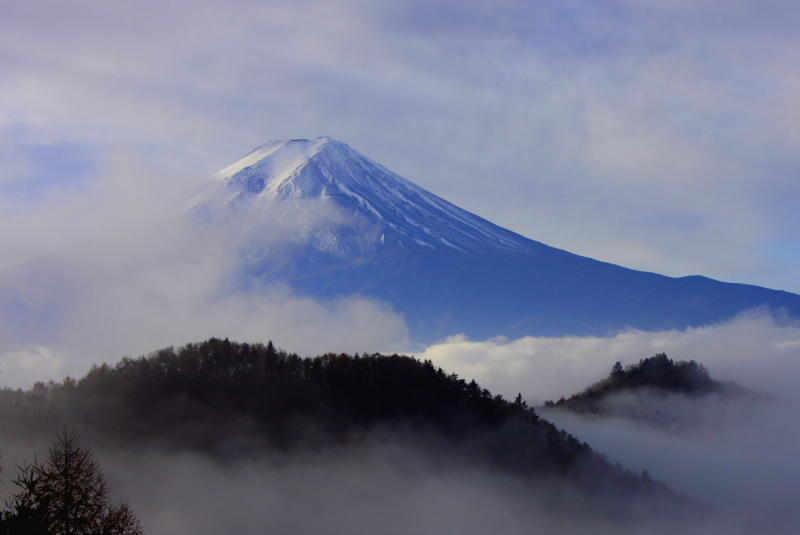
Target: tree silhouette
column 67, row 495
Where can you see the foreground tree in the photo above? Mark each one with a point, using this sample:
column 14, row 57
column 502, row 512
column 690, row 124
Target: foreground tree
column 67, row 495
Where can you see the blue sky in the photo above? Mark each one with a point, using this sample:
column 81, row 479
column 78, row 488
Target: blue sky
column 661, row 136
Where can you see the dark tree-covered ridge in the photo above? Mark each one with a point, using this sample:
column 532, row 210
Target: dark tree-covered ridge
column 230, row 399
column 656, row 374
column 280, row 397
column 202, row 396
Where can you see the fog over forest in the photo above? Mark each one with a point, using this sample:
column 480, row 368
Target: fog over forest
column 384, row 487
column 736, row 455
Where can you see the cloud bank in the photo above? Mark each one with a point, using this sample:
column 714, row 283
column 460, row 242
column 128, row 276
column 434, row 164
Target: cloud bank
column 758, row 349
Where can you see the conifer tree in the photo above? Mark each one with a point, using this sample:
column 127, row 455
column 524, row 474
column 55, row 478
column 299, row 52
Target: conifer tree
column 66, row 495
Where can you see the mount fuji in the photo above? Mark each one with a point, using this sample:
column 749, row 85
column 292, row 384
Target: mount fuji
column 330, row 222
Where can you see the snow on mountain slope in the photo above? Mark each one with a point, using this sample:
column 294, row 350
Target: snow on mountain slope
column 374, row 205
column 329, row 222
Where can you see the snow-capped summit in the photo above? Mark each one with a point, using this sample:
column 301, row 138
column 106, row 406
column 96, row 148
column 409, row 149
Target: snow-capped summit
column 327, row 221
column 375, row 204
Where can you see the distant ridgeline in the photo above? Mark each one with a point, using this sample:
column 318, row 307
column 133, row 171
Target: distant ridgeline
column 657, row 375
column 226, row 398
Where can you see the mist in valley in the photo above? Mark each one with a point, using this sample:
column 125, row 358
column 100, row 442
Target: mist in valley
column 387, row 484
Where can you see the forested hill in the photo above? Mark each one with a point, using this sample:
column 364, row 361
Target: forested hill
column 226, row 398
column 655, row 375
column 283, row 398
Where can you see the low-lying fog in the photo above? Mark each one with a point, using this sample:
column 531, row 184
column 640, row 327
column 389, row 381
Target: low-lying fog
column 380, row 487
column 739, row 455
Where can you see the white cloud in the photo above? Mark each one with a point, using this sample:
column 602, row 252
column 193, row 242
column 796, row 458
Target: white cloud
column 25, row 366
column 756, row 349
column 124, row 275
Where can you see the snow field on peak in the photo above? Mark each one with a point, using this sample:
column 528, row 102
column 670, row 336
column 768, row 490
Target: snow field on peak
column 332, row 171
column 288, row 154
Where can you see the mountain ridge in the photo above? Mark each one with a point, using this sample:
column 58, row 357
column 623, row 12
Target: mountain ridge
column 348, row 225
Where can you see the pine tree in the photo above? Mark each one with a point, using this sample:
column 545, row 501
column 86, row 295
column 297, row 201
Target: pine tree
column 67, row 495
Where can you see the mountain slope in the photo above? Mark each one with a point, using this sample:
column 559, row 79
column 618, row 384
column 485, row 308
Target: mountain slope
column 332, row 222
column 383, row 208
